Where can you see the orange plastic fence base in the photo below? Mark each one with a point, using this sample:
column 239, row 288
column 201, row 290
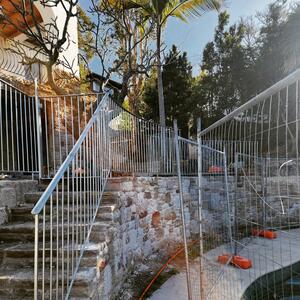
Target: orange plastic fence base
column 215, row 170
column 268, row 234
column 236, row 260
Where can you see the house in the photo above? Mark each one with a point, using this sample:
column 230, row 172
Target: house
column 13, row 41
column 97, row 81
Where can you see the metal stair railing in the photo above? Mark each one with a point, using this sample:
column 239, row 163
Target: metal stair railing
column 66, row 211
column 18, row 131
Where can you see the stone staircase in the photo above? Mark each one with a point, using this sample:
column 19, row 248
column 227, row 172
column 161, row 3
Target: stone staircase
column 17, row 251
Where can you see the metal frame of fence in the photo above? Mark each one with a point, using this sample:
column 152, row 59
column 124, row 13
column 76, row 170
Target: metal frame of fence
column 50, row 126
column 18, row 131
column 213, row 229
column 261, row 223
column 65, row 213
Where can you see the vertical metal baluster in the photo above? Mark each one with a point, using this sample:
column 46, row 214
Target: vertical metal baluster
column 38, row 131
column 6, row 125
column 12, row 128
column 73, row 215
column 1, row 127
column 43, row 253
column 46, row 138
column 57, row 241
column 53, row 134
column 17, row 130
column 35, row 143
column 66, row 129
column 22, row 131
column 26, row 132
column 32, row 126
column 68, row 227
column 88, row 175
column 62, row 237
column 51, row 246
column 59, row 131
column 36, row 255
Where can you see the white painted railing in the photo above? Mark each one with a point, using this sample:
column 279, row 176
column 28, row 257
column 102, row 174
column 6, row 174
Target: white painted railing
column 11, row 62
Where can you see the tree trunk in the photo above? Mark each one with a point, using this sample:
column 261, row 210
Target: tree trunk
column 51, row 80
column 161, row 101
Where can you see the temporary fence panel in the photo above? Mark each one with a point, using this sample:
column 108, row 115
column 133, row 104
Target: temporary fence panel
column 266, row 194
column 207, row 223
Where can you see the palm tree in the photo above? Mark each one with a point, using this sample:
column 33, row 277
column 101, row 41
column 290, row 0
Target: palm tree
column 159, row 12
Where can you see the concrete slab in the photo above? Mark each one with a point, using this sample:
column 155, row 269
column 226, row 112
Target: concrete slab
column 228, row 282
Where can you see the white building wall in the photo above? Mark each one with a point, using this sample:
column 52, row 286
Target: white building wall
column 70, row 54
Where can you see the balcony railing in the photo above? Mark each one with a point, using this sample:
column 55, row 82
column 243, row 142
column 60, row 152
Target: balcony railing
column 11, row 62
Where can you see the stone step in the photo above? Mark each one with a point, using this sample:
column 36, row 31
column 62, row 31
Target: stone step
column 22, row 255
column 33, row 198
column 23, row 213
column 19, row 283
column 115, row 184
column 67, row 183
column 24, row 232
column 17, row 247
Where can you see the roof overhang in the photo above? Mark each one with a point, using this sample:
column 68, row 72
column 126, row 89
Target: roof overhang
column 20, row 13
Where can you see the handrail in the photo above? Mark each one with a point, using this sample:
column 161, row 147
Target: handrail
column 256, row 99
column 51, row 187
column 14, row 87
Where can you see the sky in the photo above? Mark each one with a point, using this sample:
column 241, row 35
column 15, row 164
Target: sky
column 193, row 36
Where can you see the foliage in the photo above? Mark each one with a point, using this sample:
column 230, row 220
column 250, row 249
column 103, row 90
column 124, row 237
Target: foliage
column 121, row 45
column 269, row 67
column 177, row 80
column 158, row 12
column 222, row 85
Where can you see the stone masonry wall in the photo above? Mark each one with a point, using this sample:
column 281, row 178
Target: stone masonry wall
column 149, row 223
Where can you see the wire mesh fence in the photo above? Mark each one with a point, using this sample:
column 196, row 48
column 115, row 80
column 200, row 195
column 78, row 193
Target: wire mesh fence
column 208, row 226
column 264, row 194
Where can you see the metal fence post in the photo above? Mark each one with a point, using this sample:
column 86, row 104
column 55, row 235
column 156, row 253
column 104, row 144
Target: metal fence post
column 36, row 251
column 228, row 202
column 199, row 140
column 236, row 176
column 176, row 141
column 38, row 128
